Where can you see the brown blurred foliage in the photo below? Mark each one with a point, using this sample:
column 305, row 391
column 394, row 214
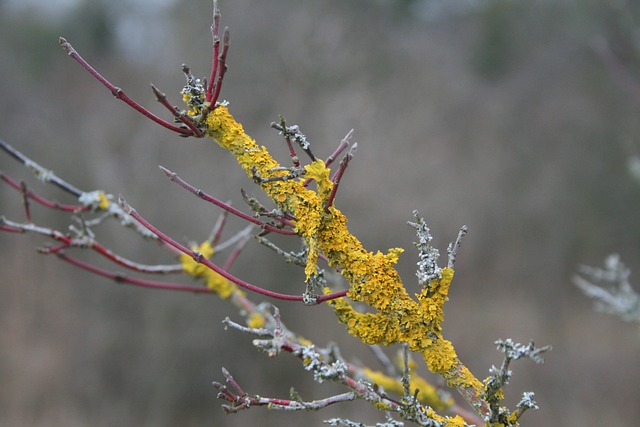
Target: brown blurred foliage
column 496, row 114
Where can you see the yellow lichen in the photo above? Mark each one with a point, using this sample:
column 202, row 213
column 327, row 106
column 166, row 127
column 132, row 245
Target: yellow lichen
column 104, row 202
column 255, row 320
column 372, row 277
column 214, row 281
column 427, row 394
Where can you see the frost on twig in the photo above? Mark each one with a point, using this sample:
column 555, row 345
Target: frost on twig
column 610, row 288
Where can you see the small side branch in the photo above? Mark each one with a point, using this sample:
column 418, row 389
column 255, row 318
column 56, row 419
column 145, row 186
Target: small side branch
column 208, row 198
column 120, row 278
column 28, row 194
column 241, row 400
column 452, row 250
column 338, row 176
column 344, row 143
column 499, row 378
column 293, row 133
column 119, row 93
column 161, row 97
column 84, row 240
column 610, row 288
column 219, row 58
column 200, row 259
column 40, row 172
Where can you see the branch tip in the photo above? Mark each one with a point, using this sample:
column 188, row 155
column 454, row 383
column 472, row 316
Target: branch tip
column 124, row 205
column 66, row 46
column 157, row 92
column 167, row 172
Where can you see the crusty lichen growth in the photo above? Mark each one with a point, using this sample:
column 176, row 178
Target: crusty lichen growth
column 401, row 319
column 427, row 393
column 372, row 277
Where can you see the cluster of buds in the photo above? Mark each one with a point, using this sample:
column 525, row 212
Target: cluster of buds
column 305, row 211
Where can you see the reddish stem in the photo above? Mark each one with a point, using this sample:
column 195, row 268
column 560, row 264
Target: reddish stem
column 25, row 200
column 70, row 242
column 216, row 232
column 338, row 176
column 161, row 97
column 344, row 143
column 9, row 228
column 235, row 253
column 119, row 93
column 200, row 259
column 155, row 269
column 132, row 280
column 206, row 197
column 222, row 68
column 41, row 200
column 216, row 49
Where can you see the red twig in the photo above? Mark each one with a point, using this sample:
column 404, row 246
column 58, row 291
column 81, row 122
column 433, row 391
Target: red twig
column 344, row 143
column 338, row 176
column 25, row 200
column 85, row 242
column 206, row 197
column 9, row 228
column 216, row 232
column 155, row 269
column 235, row 252
column 282, row 127
column 215, row 25
column 253, row 203
column 222, row 67
column 241, row 400
column 200, row 259
column 161, row 97
column 41, row 200
column 119, row 93
column 132, row 280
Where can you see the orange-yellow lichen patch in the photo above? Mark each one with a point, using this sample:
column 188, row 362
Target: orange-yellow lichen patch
column 427, row 394
column 104, row 202
column 223, row 287
column 372, row 277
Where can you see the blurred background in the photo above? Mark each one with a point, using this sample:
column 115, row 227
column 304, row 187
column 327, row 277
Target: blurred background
column 519, row 119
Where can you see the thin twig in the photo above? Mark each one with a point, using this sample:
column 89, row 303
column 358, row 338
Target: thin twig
column 222, row 68
column 161, row 97
column 452, row 250
column 215, row 25
column 119, row 278
column 200, row 259
column 206, row 197
column 119, row 93
column 338, row 176
column 43, row 174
